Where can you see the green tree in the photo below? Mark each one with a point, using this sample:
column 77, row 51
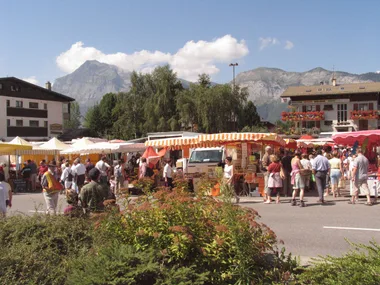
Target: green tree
column 74, row 121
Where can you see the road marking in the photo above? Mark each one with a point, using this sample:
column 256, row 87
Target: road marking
column 353, row 229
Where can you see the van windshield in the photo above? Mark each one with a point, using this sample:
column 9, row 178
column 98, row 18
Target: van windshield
column 203, row 156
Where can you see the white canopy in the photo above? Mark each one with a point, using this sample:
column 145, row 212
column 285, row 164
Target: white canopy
column 82, row 143
column 104, row 147
column 19, row 141
column 54, row 144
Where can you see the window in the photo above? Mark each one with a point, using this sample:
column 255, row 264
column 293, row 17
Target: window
column 328, row 123
column 8, row 103
column 65, row 108
column 19, row 104
column 45, row 106
column 8, row 123
column 363, row 107
column 45, row 124
column 19, row 123
column 13, row 88
column 328, row 107
column 311, row 108
column 33, row 105
column 342, row 112
column 1, row 86
column 310, row 124
column 34, row 124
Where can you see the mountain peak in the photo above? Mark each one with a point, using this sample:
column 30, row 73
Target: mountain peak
column 318, row 69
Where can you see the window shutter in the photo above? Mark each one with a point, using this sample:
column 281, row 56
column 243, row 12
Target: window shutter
column 370, row 106
column 303, row 108
column 318, row 124
column 318, row 107
column 356, row 107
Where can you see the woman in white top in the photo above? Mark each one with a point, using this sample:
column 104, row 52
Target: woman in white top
column 229, row 176
column 67, row 176
column 336, row 173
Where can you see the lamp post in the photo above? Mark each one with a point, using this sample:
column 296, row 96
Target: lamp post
column 233, row 72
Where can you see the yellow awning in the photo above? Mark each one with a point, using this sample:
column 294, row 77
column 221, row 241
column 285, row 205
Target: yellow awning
column 8, row 148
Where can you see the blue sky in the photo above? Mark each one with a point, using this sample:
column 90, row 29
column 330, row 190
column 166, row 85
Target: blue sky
column 43, row 40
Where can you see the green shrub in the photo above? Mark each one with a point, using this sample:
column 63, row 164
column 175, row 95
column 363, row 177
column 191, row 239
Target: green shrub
column 121, row 264
column 361, row 265
column 213, row 237
column 38, row 249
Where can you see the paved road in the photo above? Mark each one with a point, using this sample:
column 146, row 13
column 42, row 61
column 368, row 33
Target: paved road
column 304, row 230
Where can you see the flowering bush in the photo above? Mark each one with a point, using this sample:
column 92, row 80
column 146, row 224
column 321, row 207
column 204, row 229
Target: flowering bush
column 303, row 116
column 364, row 115
column 209, row 235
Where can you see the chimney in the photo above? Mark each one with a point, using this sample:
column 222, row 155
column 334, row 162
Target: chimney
column 48, row 85
column 334, row 81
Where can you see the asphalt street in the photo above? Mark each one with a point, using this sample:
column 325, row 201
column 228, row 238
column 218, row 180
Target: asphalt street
column 307, row 232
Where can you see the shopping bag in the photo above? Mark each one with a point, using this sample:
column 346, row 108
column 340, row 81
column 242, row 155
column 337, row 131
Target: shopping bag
column 342, row 183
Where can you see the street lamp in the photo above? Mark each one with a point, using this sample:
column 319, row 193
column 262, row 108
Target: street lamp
column 233, row 72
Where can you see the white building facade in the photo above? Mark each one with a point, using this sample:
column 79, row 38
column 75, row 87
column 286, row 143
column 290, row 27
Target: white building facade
column 30, row 111
column 333, row 108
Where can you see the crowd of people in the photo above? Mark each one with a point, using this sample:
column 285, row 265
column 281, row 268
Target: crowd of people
column 86, row 185
column 291, row 174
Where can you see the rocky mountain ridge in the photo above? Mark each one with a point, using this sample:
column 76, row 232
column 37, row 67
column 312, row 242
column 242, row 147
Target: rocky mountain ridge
column 93, row 79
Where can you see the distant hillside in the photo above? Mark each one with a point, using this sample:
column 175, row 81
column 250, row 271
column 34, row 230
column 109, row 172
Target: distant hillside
column 93, row 79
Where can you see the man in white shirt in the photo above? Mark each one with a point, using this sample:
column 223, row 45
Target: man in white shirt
column 78, row 170
column 5, row 196
column 168, row 174
column 103, row 167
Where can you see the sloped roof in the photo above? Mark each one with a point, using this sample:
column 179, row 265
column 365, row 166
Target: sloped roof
column 325, row 90
column 51, row 93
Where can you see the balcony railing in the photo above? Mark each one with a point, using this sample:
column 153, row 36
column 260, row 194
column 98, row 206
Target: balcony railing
column 303, row 116
column 365, row 115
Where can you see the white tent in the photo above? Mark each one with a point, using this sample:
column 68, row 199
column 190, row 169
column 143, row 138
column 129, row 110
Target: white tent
column 54, row 144
column 20, row 141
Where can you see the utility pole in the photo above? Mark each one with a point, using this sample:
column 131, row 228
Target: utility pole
column 233, row 73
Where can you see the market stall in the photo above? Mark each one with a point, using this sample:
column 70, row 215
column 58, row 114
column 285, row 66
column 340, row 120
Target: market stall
column 246, row 149
column 368, row 141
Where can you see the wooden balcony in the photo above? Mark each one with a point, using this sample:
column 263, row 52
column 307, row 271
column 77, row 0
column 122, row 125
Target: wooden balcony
column 365, row 115
column 303, row 116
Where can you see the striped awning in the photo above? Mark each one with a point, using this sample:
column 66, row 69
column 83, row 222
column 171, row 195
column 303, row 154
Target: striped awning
column 214, row 140
column 269, row 138
column 176, row 143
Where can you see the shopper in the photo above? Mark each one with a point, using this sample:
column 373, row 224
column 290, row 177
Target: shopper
column 321, row 167
column 265, row 163
column 297, row 180
column 103, row 167
column 5, row 196
column 228, row 176
column 275, row 179
column 119, row 175
column 51, row 188
column 336, row 173
column 168, row 174
column 359, row 177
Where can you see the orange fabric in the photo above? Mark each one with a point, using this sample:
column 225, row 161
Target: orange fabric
column 53, row 184
column 149, row 152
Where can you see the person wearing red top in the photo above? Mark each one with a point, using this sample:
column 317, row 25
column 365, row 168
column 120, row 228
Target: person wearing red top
column 42, row 169
column 275, row 179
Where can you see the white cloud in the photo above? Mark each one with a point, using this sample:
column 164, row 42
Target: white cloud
column 267, row 42
column 378, row 72
column 289, row 45
column 31, row 79
column 189, row 61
